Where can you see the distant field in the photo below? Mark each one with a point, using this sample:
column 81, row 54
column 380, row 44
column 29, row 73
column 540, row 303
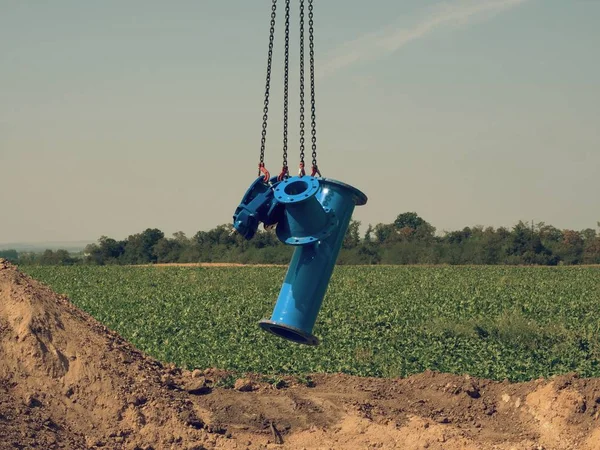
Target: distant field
column 495, row 322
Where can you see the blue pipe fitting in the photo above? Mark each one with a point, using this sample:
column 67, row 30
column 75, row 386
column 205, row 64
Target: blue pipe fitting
column 305, row 220
column 312, row 214
column 258, row 205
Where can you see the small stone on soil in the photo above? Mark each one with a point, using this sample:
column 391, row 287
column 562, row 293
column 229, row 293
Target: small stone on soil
column 244, row 385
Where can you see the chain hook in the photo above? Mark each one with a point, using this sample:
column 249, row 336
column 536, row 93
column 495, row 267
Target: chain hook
column 263, row 170
column 301, row 171
column 285, row 173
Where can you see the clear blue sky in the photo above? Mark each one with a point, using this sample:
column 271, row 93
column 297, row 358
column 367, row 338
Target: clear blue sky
column 118, row 116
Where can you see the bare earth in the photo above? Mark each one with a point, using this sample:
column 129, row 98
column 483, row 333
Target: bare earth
column 66, row 381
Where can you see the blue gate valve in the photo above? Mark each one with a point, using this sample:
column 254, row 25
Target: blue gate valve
column 312, row 214
column 258, row 205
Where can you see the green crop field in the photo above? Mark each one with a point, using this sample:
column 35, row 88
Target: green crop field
column 495, row 322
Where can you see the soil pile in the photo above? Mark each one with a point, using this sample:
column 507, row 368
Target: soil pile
column 66, row 381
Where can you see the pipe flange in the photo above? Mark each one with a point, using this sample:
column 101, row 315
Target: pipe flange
column 332, row 223
column 288, row 332
column 296, row 190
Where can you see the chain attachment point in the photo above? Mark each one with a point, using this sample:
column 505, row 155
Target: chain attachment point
column 301, row 171
column 285, row 173
column 315, row 171
column 262, row 170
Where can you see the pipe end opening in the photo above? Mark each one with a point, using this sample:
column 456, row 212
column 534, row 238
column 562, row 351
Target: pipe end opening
column 296, row 187
column 289, row 333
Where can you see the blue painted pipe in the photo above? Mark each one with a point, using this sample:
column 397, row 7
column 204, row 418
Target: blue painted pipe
column 316, row 215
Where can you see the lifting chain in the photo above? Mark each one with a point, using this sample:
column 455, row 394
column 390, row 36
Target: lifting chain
column 285, row 173
column 285, row 170
column 301, row 171
column 313, row 114
column 261, row 166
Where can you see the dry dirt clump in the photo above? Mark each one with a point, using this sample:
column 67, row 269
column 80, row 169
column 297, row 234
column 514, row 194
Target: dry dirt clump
column 66, row 381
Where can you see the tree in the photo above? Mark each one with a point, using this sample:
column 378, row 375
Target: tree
column 589, row 234
column 420, row 229
column 180, row 237
column 385, row 233
column 110, row 249
column 64, row 258
column 265, row 238
column 408, row 220
column 491, row 246
column 167, row 250
column 60, row 257
column 368, row 254
column 222, row 234
column 139, row 248
column 352, row 237
column 571, row 248
column 591, row 252
column 368, row 233
column 456, row 237
column 47, row 258
column 526, row 246
column 10, row 255
column 408, row 240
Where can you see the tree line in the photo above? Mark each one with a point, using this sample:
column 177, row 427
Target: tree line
column 408, row 240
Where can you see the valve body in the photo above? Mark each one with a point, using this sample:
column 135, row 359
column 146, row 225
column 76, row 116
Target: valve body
column 312, row 214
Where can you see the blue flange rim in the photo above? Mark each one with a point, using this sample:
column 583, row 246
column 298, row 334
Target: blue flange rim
column 288, row 332
column 360, row 198
column 282, row 197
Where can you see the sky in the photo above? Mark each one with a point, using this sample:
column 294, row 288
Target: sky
column 120, row 116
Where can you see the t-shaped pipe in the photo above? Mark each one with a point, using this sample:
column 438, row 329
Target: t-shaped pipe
column 317, row 212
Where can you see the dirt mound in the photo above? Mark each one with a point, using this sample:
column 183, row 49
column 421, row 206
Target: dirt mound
column 68, row 382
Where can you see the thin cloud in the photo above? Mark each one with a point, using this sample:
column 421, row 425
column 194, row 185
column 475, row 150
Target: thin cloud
column 381, row 43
